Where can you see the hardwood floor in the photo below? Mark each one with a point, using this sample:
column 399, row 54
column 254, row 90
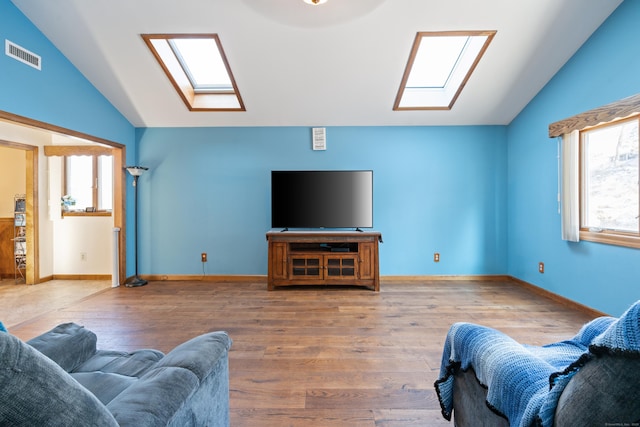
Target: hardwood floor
column 303, row 356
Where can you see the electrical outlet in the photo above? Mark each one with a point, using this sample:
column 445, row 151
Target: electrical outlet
column 83, row 256
column 203, row 257
column 436, row 257
column 541, row 267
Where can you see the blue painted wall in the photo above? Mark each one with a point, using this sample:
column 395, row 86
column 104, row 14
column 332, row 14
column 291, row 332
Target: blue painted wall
column 604, row 70
column 436, row 189
column 58, row 94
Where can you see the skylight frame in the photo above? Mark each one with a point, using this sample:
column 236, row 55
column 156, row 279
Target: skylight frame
column 442, row 98
column 195, row 97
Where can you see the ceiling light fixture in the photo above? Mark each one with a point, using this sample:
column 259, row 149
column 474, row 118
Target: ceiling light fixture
column 315, row 2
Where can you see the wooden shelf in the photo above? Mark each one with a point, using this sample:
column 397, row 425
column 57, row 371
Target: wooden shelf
column 19, row 237
column 348, row 258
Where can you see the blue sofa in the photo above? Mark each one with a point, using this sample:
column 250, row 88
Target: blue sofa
column 60, row 379
column 593, row 379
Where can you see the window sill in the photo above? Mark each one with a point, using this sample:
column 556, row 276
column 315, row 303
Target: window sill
column 83, row 213
column 629, row 241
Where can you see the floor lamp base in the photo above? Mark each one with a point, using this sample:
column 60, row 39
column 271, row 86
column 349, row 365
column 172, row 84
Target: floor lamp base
column 135, row 282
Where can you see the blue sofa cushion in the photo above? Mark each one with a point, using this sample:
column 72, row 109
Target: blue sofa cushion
column 108, row 373
column 104, row 386
column 27, row 376
column 134, row 364
column 155, row 398
column 56, row 345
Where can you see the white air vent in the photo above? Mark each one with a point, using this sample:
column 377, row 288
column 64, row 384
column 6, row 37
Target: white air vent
column 23, row 55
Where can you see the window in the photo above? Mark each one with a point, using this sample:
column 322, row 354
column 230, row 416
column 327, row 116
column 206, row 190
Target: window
column 599, row 196
column 88, row 182
column 203, row 64
column 609, row 182
column 439, row 66
column 198, row 69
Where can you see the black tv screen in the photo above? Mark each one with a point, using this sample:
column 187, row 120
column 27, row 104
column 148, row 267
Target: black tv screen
column 321, row 199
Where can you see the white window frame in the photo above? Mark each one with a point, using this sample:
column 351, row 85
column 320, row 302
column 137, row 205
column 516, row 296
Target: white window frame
column 96, row 185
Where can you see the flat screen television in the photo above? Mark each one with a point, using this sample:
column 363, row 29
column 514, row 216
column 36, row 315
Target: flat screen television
column 322, row 199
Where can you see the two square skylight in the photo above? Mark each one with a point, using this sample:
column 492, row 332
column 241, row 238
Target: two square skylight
column 439, row 66
column 198, row 69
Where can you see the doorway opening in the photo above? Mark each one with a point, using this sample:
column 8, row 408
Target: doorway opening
column 36, row 197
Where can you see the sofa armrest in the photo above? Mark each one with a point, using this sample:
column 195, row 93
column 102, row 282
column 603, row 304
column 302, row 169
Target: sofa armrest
column 68, row 344
column 470, row 408
column 604, row 391
column 36, row 391
column 199, row 354
column 188, row 387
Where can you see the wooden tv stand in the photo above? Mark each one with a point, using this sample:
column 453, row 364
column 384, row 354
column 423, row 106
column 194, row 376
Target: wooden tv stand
column 323, row 258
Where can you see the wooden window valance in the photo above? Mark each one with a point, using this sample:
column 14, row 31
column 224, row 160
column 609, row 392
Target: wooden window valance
column 77, row 150
column 616, row 110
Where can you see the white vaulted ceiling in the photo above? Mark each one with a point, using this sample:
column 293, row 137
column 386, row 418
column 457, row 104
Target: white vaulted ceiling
column 338, row 64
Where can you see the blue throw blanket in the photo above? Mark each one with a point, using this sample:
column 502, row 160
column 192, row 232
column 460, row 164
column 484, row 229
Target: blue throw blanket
column 524, row 382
